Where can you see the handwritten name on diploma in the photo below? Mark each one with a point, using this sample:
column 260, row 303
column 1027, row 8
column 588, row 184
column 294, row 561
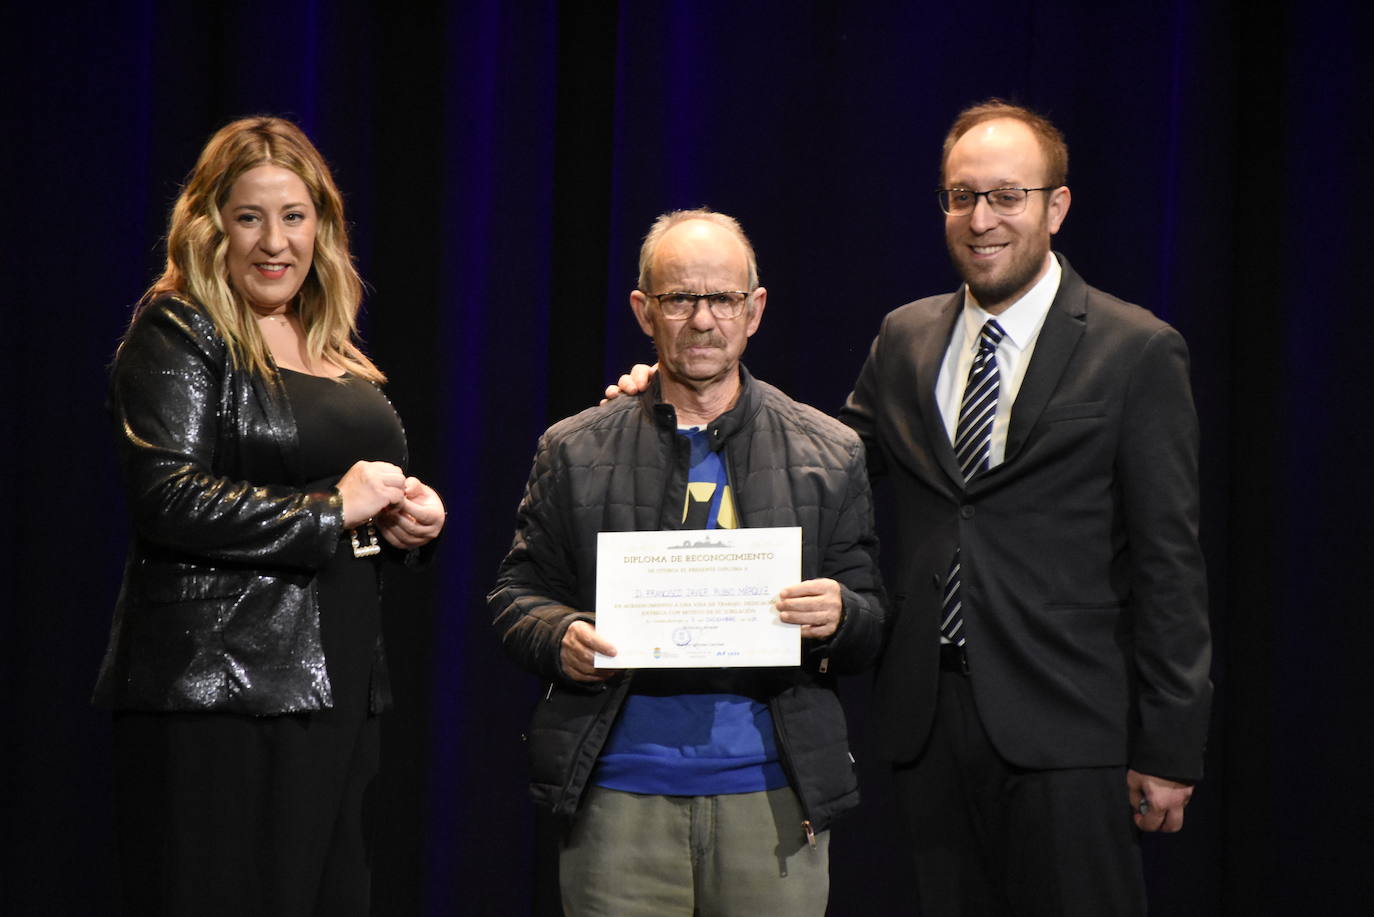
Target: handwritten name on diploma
column 682, row 599
column 690, row 593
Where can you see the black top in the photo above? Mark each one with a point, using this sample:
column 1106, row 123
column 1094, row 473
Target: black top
column 341, row 423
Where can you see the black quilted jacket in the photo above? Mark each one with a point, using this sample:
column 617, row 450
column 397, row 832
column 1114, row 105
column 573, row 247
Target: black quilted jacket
column 621, row 467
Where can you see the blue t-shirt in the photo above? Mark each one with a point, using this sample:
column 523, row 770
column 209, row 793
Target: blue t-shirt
column 707, row 744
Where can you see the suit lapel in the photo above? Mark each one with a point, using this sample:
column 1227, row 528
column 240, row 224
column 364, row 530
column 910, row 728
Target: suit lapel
column 928, row 362
column 276, row 407
column 909, row 420
column 1059, row 336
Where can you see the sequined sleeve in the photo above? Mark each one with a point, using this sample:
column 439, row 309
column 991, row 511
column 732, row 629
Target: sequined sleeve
column 169, row 403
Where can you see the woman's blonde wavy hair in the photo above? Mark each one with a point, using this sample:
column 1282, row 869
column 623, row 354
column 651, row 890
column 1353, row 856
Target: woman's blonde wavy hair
column 328, row 301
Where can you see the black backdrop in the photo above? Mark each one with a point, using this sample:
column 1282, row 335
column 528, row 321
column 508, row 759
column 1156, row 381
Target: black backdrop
column 500, row 161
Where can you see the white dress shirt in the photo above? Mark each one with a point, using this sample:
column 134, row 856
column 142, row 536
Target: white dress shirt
column 1021, row 321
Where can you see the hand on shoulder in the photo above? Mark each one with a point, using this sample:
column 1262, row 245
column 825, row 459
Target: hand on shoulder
column 632, row 383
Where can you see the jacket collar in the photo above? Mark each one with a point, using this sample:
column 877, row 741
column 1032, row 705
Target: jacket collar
column 1059, row 336
column 723, row 427
column 933, row 344
column 275, row 405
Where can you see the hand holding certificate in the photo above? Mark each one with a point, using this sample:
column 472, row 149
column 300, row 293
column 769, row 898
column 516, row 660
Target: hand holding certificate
column 681, row 599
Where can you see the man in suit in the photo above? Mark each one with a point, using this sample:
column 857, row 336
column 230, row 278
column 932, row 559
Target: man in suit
column 1044, row 692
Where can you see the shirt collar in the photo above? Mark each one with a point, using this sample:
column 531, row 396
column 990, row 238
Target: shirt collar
column 1022, row 319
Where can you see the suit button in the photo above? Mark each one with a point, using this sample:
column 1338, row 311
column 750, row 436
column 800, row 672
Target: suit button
column 966, row 512
column 935, row 580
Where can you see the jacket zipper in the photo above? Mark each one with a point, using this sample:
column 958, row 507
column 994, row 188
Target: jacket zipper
column 784, row 751
column 785, row 754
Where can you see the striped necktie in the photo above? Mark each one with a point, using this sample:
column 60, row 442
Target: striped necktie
column 973, row 449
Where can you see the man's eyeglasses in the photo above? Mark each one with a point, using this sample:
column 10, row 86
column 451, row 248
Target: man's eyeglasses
column 679, row 305
column 1007, row 202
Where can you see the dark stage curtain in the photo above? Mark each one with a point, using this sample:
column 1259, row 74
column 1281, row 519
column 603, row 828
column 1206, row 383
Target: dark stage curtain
column 502, row 160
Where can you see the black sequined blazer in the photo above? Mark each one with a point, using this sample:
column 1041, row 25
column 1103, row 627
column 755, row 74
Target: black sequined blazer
column 218, row 609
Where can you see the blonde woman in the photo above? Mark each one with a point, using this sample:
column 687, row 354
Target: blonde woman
column 265, row 478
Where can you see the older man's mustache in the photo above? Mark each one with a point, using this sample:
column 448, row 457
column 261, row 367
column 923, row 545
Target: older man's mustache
column 701, row 339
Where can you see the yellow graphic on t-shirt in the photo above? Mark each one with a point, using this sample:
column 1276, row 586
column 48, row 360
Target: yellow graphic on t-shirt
column 698, row 505
column 725, row 519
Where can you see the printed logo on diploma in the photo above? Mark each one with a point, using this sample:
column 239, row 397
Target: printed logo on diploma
column 697, row 598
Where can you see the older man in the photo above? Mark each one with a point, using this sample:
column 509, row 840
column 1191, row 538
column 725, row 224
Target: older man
column 693, row 790
column 1045, row 689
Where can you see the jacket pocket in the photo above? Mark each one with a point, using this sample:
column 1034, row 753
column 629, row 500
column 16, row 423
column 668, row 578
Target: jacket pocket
column 1105, row 607
column 1078, row 411
column 564, row 739
column 1091, row 646
column 162, row 582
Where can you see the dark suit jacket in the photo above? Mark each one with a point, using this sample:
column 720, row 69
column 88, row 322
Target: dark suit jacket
column 1083, row 582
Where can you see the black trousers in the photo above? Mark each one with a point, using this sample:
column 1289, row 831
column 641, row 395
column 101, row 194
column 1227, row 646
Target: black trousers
column 238, row 815
column 991, row 839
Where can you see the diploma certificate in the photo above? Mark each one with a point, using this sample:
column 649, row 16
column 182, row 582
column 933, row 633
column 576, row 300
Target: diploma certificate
column 684, row 599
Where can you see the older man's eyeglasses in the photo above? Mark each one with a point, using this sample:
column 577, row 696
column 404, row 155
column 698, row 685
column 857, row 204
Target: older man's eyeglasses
column 679, row 305
column 1007, row 202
